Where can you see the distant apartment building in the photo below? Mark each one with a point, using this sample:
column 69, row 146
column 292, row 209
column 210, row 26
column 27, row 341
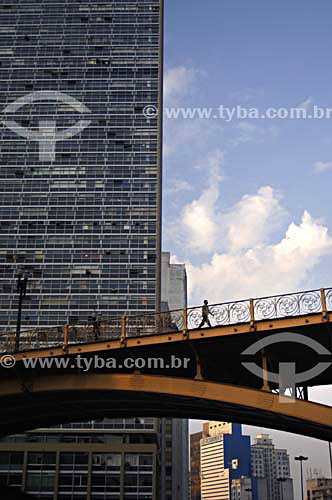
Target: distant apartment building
column 174, row 432
column 195, row 462
column 224, row 469
column 271, row 469
column 319, row 489
column 242, row 488
column 173, row 283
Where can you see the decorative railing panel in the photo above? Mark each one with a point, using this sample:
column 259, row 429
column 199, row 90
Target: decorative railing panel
column 328, row 295
column 295, row 304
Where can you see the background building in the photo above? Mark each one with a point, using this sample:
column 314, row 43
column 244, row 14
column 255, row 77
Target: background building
column 222, row 454
column 195, row 462
column 271, row 469
column 173, row 284
column 319, row 489
column 109, row 459
column 174, row 432
column 80, row 216
column 224, row 466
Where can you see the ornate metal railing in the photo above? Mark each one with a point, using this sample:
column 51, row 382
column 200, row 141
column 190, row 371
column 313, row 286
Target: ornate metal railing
column 225, row 314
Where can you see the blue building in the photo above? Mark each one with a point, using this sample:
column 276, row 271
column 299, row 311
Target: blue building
column 237, row 456
column 226, row 463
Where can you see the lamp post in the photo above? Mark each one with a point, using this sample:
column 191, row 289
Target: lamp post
column 22, row 282
column 301, row 459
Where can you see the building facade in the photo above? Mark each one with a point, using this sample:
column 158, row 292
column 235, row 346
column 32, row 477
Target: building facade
column 319, row 489
column 100, row 460
column 225, row 466
column 195, row 462
column 80, row 166
column 173, row 284
column 271, row 469
column 174, row 432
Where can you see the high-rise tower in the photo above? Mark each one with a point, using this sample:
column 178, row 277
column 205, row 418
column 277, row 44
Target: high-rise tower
column 80, row 209
column 271, row 469
column 80, row 164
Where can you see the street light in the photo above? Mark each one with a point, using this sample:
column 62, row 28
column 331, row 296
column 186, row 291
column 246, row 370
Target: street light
column 301, row 459
column 22, row 282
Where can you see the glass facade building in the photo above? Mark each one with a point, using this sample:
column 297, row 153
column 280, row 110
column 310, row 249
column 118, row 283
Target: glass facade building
column 80, row 210
column 109, row 459
column 80, row 169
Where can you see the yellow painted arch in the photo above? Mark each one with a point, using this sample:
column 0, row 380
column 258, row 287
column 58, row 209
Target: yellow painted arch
column 199, row 398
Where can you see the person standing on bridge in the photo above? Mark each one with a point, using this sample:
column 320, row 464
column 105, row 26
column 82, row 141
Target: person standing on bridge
column 205, row 314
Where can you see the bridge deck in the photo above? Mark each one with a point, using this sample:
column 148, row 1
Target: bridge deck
column 214, row 381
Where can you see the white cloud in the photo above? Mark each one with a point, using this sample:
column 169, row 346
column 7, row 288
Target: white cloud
column 192, row 133
column 247, row 132
column 253, row 219
column 305, row 103
column 263, row 269
column 236, row 254
column 321, row 166
column 243, row 96
column 198, row 222
column 179, row 185
column 206, row 228
column 250, row 132
column 178, row 82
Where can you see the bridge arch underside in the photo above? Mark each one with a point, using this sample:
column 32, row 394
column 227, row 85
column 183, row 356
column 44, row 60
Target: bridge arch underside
column 68, row 398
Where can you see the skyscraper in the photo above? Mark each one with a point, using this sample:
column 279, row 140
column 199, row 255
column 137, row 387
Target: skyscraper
column 80, row 199
column 80, row 169
column 271, row 468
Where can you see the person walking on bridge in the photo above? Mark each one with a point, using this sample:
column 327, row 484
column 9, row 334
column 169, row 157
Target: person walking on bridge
column 205, row 314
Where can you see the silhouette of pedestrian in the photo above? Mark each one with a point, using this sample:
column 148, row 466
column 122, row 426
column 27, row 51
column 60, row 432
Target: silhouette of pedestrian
column 205, row 314
column 95, row 326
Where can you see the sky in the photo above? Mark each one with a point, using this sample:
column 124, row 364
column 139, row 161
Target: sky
column 247, row 201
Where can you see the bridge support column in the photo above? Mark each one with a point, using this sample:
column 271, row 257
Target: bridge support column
column 324, row 306
column 65, row 339
column 185, row 323
column 265, row 386
column 252, row 315
column 123, row 331
column 198, row 365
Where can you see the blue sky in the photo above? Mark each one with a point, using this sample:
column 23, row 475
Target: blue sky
column 247, row 203
column 258, row 55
